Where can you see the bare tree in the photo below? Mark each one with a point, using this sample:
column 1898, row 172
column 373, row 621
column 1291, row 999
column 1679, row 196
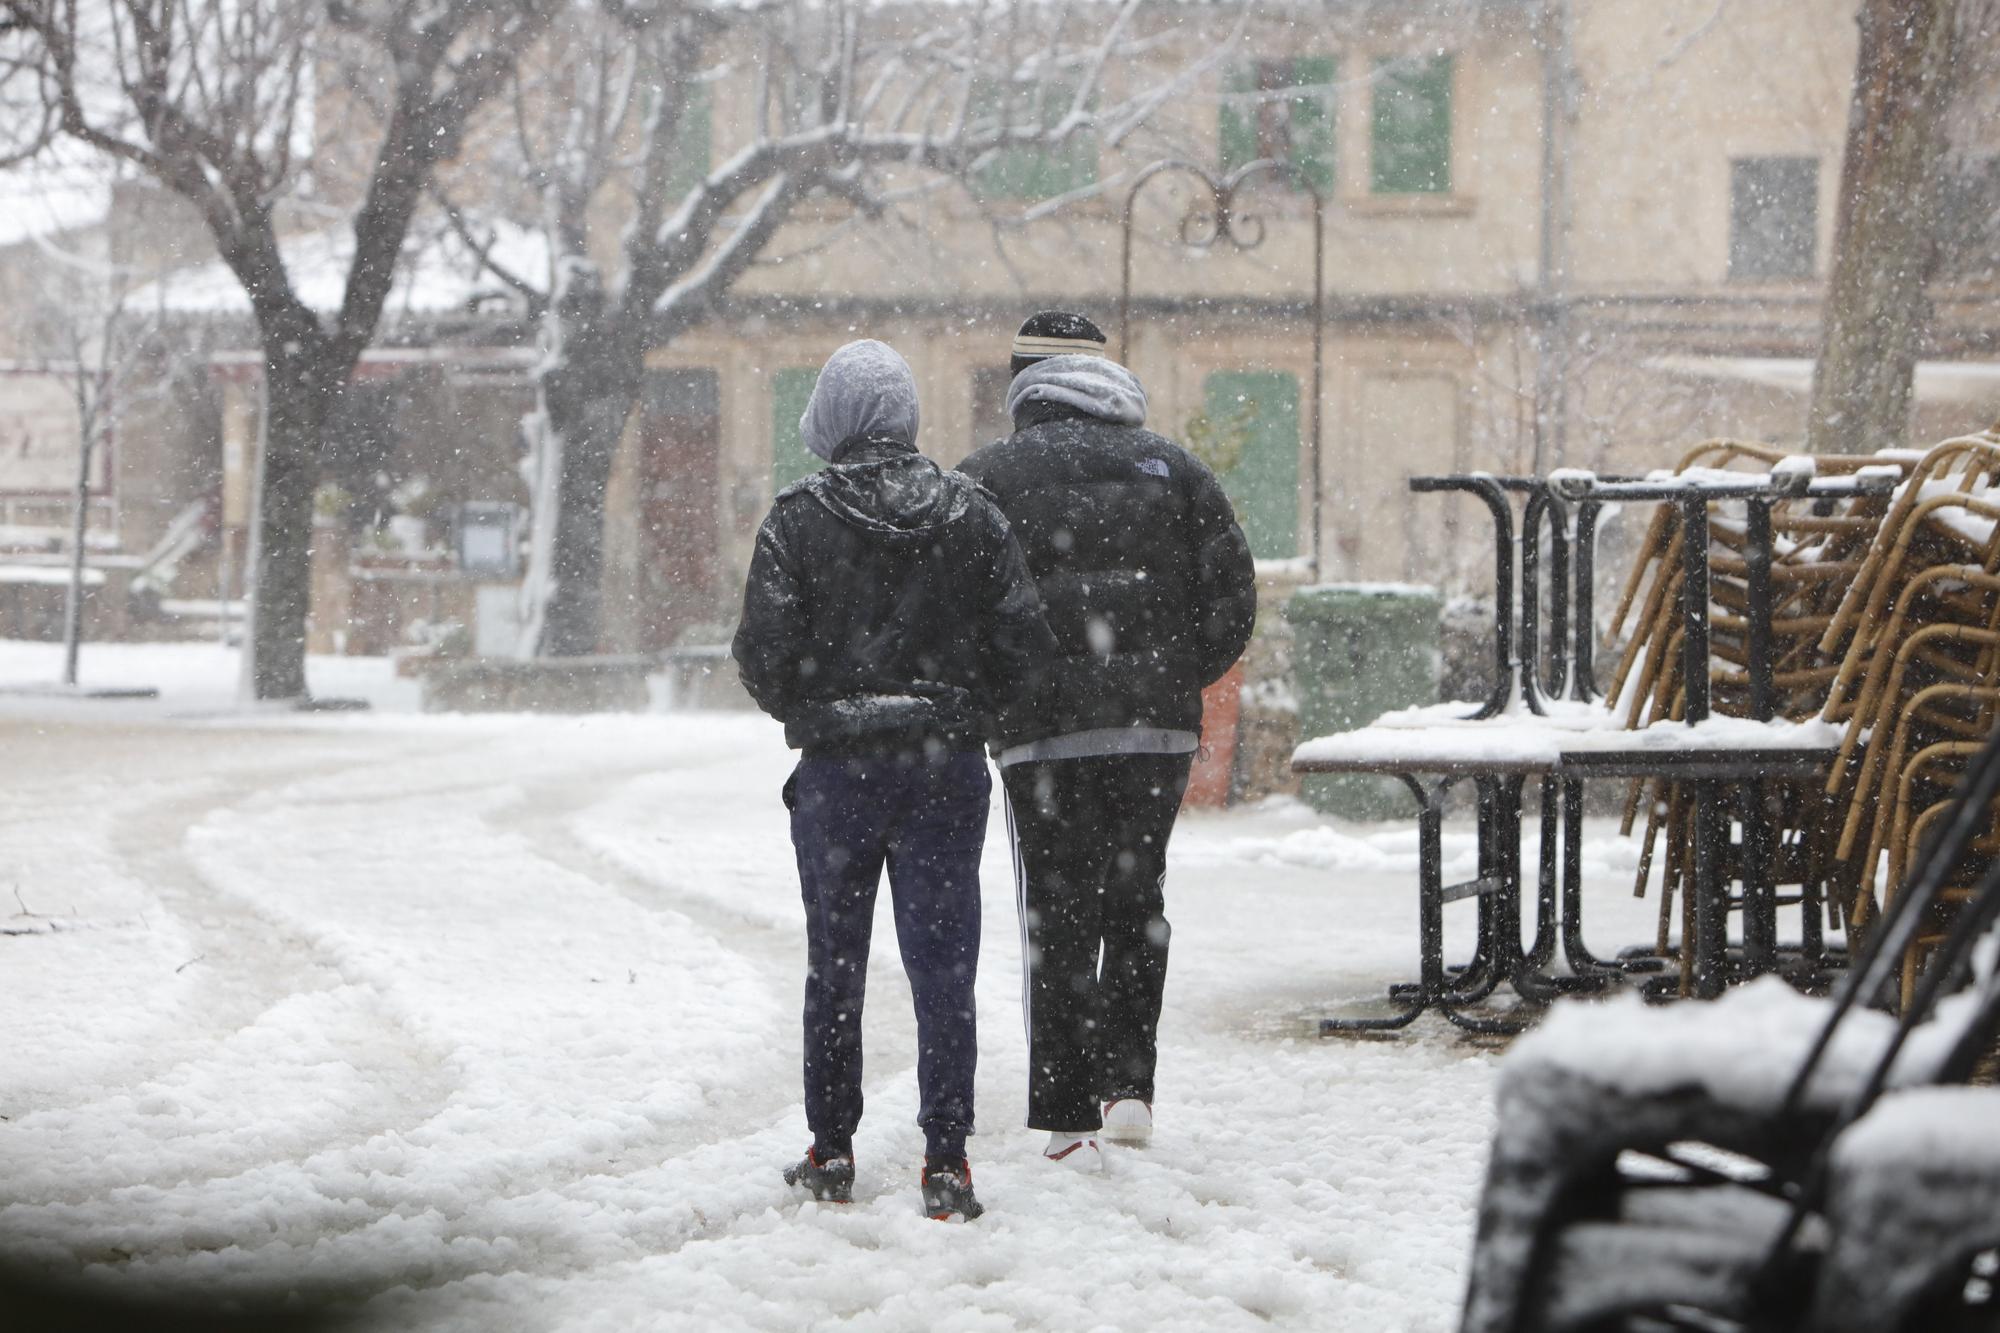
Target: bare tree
column 872, row 106
column 220, row 100
column 96, row 347
column 1884, row 247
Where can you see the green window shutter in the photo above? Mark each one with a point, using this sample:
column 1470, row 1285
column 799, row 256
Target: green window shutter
column 1259, row 412
column 693, row 154
column 1412, row 130
column 1307, row 129
column 1032, row 172
column 791, row 390
column 1236, row 122
column 1312, row 120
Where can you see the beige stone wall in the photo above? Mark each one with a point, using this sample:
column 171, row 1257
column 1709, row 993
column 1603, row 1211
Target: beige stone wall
column 1671, row 91
column 1431, row 348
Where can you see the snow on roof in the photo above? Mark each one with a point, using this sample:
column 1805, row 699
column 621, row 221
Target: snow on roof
column 44, row 199
column 435, row 275
column 1937, row 381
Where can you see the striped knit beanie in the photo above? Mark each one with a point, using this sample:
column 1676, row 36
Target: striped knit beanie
column 1056, row 333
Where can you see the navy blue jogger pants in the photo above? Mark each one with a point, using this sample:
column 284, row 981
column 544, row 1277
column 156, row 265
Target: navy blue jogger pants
column 925, row 818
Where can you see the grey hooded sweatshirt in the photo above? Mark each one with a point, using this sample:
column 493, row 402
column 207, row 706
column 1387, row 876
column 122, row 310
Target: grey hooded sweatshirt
column 888, row 606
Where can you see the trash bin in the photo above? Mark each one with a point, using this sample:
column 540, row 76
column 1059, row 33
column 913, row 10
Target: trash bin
column 1360, row 650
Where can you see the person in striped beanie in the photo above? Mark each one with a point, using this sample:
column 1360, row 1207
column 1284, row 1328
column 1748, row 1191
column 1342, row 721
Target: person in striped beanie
column 1055, row 333
column 1148, row 585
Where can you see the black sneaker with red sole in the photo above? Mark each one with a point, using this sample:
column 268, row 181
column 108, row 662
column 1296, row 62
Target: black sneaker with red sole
column 947, row 1188
column 831, row 1180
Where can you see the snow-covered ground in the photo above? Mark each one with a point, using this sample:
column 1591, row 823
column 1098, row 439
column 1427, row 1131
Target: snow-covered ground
column 492, row 1023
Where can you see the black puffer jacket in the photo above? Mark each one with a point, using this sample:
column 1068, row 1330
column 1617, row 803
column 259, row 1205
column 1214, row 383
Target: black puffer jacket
column 1145, row 576
column 887, row 606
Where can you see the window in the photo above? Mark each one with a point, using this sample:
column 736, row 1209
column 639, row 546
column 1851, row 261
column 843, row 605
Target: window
column 679, row 485
column 1410, row 145
column 1773, row 217
column 791, row 390
column 694, row 147
column 1255, row 124
column 1033, row 172
column 1969, row 222
column 1249, row 434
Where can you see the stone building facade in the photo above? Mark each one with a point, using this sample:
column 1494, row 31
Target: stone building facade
column 1556, row 233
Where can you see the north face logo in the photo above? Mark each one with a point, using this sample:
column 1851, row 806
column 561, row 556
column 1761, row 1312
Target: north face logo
column 1153, row 466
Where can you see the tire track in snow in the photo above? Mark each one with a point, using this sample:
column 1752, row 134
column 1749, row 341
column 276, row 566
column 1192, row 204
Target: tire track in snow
column 266, row 1025
column 321, row 812
column 528, row 1226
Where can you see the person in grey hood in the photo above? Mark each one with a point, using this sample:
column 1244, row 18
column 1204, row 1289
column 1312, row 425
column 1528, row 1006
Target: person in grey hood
column 888, row 618
column 1148, row 585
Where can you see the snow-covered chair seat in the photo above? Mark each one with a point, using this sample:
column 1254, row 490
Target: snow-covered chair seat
column 1913, row 1197
column 1573, row 1230
column 1908, row 1208
column 1597, row 1080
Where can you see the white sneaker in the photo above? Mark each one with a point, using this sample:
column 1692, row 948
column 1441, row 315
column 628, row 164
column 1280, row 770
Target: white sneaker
column 1078, row 1152
column 1128, row 1120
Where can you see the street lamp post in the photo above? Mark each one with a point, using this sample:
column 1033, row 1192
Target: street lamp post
column 1218, row 218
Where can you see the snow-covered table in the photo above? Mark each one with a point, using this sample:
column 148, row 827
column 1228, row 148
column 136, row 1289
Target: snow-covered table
column 1432, row 749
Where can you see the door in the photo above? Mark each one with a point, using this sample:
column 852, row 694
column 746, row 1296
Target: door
column 680, row 430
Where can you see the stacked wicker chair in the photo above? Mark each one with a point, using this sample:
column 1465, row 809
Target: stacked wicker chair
column 1819, row 548
column 1918, row 638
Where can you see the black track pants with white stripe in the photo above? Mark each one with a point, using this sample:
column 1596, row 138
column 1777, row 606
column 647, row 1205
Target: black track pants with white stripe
column 1090, row 861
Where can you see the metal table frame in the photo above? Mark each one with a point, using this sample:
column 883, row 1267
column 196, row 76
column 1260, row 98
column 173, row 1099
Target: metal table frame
column 1725, row 782
column 1499, row 956
column 1571, row 529
column 1722, row 787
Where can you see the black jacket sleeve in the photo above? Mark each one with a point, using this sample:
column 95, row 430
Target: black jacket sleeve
column 770, row 643
column 1225, row 590
column 1018, row 644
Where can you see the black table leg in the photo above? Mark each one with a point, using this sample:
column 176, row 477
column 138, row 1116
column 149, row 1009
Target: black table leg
column 1434, row 987
column 1757, row 869
column 1491, row 956
column 1506, row 659
column 1582, row 962
column 1430, row 987
column 1709, row 886
column 1499, row 910
column 1547, row 915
